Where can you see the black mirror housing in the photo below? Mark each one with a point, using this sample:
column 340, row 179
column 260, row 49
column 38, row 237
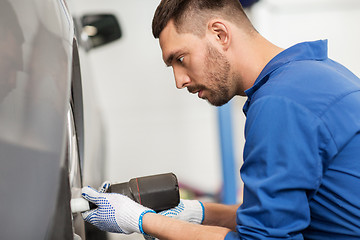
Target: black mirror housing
column 101, row 28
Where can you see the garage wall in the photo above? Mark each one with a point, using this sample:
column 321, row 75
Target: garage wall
column 287, row 22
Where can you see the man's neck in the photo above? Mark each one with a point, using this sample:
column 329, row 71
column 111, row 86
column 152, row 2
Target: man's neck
column 251, row 56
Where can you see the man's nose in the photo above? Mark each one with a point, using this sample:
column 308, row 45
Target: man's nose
column 181, row 78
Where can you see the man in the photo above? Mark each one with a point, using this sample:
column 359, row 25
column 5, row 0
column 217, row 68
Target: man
column 301, row 168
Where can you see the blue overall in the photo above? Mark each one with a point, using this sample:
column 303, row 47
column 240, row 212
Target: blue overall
column 302, row 153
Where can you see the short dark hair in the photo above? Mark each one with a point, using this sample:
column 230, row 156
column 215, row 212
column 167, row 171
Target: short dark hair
column 192, row 15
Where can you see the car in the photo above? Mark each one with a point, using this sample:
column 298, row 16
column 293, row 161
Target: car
column 51, row 131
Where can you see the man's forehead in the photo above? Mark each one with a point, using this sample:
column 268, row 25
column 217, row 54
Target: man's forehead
column 168, row 33
column 173, row 43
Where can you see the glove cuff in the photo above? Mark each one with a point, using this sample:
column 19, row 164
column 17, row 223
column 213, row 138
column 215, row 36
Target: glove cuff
column 202, row 212
column 198, row 211
column 141, row 220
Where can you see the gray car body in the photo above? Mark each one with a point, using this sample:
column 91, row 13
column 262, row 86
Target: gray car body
column 39, row 75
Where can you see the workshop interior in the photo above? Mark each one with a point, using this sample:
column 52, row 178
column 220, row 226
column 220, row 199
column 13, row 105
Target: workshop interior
column 86, row 98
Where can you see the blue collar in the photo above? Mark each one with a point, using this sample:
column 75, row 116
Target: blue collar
column 316, row 50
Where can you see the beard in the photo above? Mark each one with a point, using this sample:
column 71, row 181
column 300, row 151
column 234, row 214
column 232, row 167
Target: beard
column 216, row 71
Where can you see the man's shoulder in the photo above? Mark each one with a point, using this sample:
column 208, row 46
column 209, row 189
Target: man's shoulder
column 314, row 84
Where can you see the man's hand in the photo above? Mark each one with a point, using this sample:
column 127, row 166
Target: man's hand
column 115, row 212
column 188, row 210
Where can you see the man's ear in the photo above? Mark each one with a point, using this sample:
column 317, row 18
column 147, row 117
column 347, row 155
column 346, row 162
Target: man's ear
column 220, row 32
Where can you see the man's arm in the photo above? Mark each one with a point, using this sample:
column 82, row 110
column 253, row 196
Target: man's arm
column 118, row 213
column 220, row 215
column 163, row 227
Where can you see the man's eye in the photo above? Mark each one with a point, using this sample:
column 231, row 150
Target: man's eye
column 181, row 59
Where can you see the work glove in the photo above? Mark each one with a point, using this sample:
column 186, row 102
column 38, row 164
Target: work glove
column 115, row 212
column 188, row 210
column 104, row 187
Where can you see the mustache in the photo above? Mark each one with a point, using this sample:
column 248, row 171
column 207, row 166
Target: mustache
column 194, row 89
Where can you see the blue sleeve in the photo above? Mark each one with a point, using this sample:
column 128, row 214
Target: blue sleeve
column 282, row 169
column 231, row 236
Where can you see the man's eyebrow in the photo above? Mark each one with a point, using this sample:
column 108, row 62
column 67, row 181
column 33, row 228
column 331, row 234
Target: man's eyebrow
column 171, row 57
column 169, row 60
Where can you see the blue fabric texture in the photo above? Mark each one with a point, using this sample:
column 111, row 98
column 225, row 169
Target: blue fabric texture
column 301, row 166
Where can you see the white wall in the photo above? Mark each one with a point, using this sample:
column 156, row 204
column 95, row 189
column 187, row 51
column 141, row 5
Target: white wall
column 287, row 22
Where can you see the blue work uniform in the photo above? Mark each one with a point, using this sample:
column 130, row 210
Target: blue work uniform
column 301, row 169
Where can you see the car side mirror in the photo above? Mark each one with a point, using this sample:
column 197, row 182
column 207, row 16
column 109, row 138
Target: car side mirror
column 101, row 28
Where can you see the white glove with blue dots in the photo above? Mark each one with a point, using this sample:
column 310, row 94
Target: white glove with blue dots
column 115, row 212
column 188, row 210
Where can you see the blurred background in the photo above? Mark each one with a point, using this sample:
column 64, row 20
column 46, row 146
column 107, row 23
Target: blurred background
column 152, row 127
